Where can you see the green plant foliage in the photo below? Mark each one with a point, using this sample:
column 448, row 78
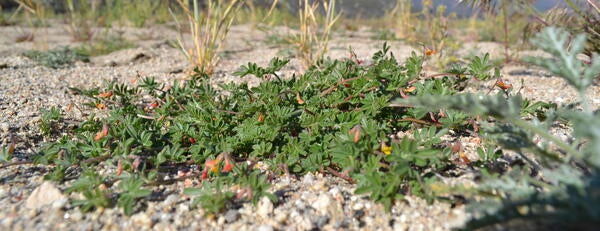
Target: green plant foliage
column 5, row 154
column 49, row 119
column 132, row 191
column 334, row 118
column 211, row 196
column 103, row 45
column 56, row 58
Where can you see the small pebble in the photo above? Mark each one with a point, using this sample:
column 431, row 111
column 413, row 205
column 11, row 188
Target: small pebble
column 322, row 203
column 265, row 228
column 232, row 215
column 322, row 221
column 265, row 207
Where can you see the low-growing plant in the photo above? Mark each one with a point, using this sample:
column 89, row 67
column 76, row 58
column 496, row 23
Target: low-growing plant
column 49, row 119
column 139, row 12
column 5, row 19
column 561, row 179
column 208, row 28
column 428, row 30
column 7, row 151
column 104, row 44
column 333, row 119
column 57, row 58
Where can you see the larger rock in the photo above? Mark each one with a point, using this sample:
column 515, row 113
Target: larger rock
column 45, row 194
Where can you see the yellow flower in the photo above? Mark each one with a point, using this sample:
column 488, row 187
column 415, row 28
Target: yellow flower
column 386, row 149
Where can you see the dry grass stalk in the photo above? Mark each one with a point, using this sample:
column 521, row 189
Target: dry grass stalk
column 36, row 9
column 208, row 29
column 401, row 16
column 311, row 43
column 79, row 25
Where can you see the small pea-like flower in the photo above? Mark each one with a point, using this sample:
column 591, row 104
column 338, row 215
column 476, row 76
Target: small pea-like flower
column 102, row 133
column 430, row 52
column 204, row 175
column 228, row 166
column 299, row 99
column 410, row 89
column 385, row 148
column 119, row 167
column 356, row 133
column 107, row 94
column 212, row 165
column 503, row 85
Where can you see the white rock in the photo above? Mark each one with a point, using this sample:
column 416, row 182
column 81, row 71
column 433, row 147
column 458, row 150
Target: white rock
column 400, row 226
column 265, row 228
column 281, row 217
column 308, row 179
column 402, row 218
column 358, row 206
column 322, row 202
column 265, row 207
column 60, row 203
column 334, row 191
column 141, row 220
column 45, row 194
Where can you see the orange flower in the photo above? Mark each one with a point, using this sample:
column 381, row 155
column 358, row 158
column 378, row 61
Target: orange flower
column 100, row 106
column 299, row 99
column 228, row 166
column 204, row 175
column 410, row 89
column 102, row 133
column 153, row 105
column 430, row 52
column 212, row 165
column 107, row 94
column 261, row 117
column 119, row 167
column 503, row 85
column 356, row 131
column 464, row 158
column 187, row 183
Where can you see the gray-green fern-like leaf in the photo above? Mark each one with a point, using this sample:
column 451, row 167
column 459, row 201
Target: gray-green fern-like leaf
column 564, row 62
column 497, row 106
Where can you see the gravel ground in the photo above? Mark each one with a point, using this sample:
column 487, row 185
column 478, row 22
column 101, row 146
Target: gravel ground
column 313, row 202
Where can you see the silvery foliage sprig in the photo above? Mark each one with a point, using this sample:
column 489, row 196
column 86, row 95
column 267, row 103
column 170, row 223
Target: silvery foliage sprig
column 561, row 189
